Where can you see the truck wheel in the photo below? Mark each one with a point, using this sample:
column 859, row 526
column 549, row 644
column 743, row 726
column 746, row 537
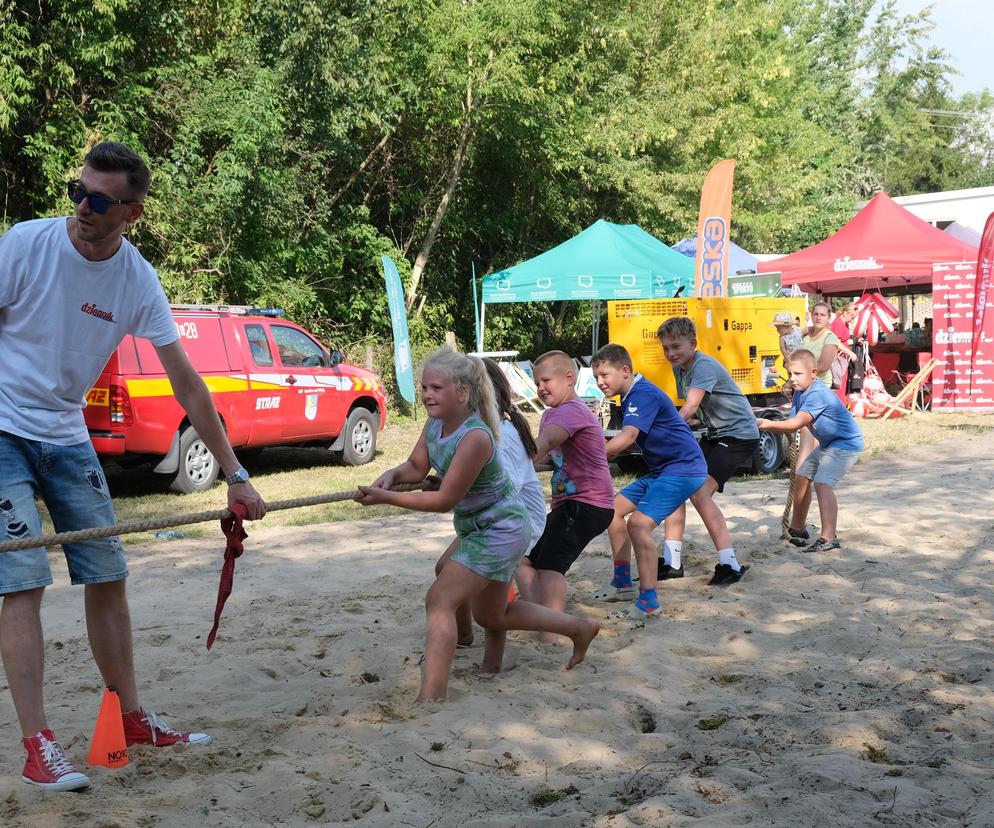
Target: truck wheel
column 770, row 453
column 198, row 469
column 360, row 437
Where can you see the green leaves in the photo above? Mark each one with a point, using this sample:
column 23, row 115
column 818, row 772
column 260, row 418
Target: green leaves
column 293, row 142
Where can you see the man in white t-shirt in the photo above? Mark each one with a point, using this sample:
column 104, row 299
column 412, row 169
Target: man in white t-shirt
column 70, row 290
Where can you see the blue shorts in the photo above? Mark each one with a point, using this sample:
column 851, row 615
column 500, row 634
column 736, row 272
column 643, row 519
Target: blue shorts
column 660, row 496
column 828, row 465
column 72, row 485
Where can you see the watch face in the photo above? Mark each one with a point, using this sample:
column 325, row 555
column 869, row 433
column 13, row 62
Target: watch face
column 240, row 476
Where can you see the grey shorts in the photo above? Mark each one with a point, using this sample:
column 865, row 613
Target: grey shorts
column 828, row 465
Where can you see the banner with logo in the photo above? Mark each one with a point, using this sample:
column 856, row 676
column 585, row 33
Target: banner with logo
column 961, row 381
column 398, row 319
column 985, row 261
column 714, row 223
column 743, row 285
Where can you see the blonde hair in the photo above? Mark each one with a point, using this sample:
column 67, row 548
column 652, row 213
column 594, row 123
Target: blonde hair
column 803, row 356
column 469, row 373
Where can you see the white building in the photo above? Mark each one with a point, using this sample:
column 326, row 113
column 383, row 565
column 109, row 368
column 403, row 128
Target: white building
column 969, row 207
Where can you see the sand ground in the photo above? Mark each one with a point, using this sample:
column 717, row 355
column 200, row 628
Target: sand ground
column 852, row 688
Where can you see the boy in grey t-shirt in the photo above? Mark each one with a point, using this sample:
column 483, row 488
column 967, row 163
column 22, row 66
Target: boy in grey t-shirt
column 731, row 439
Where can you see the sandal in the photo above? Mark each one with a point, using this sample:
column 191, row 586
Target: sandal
column 614, row 594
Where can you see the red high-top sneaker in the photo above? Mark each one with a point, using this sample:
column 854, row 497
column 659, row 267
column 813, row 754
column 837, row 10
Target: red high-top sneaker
column 47, row 765
column 144, row 728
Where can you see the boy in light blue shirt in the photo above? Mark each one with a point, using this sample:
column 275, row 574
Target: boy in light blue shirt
column 840, row 442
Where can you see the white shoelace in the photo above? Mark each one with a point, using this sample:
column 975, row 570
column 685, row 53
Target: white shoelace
column 55, row 758
column 157, row 725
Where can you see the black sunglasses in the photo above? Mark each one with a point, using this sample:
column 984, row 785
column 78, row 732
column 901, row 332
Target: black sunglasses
column 98, row 203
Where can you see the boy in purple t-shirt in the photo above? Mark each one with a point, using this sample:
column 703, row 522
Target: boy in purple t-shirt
column 570, row 437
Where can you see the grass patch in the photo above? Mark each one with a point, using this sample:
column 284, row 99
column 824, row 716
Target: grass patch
column 544, row 796
column 877, row 755
column 713, row 723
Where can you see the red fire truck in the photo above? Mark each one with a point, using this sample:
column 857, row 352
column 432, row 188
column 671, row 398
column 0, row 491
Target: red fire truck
column 272, row 382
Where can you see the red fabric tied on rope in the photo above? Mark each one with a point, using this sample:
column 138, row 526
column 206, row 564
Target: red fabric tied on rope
column 235, row 534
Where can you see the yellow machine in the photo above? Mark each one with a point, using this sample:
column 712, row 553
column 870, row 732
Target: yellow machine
column 736, row 332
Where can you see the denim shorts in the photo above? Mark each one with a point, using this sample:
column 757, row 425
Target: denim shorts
column 660, row 496
column 69, row 480
column 827, row 465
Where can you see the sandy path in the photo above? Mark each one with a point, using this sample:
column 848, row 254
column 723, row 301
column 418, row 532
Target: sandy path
column 309, row 689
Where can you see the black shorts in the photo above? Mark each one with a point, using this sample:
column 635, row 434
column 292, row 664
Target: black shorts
column 726, row 455
column 568, row 529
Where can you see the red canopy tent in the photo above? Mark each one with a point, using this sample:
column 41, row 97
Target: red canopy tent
column 883, row 248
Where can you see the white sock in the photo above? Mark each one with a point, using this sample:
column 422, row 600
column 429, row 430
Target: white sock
column 671, row 553
column 727, row 556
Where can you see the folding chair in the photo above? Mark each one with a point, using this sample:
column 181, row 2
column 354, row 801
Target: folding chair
column 904, row 402
column 591, row 395
column 522, row 386
column 923, row 399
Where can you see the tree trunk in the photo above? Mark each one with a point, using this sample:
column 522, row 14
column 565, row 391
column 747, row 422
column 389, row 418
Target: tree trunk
column 443, row 205
column 462, row 150
column 359, row 170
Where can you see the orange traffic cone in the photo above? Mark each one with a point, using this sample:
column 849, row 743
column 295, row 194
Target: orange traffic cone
column 107, row 747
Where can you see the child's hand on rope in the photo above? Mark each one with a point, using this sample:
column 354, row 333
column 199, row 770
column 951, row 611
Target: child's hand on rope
column 373, row 495
column 384, row 481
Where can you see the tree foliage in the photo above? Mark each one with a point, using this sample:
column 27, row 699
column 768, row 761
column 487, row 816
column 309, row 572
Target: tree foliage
column 293, row 142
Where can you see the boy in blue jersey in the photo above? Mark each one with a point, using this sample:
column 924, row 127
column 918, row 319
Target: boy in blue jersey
column 677, row 469
column 840, row 441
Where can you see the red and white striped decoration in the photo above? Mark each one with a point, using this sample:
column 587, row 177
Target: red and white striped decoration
column 874, row 315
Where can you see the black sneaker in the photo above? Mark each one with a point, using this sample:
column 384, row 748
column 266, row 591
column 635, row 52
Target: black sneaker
column 725, row 575
column 798, row 537
column 824, row 545
column 665, row 572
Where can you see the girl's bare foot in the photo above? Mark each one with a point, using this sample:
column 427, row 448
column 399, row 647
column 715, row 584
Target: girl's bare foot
column 581, row 640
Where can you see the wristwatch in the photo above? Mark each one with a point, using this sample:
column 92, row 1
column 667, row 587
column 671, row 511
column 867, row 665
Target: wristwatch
column 240, row 476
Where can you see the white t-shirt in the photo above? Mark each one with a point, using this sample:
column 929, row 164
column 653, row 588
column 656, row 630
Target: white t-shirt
column 61, row 317
column 520, row 469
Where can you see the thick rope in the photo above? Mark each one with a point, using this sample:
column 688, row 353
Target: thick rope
column 792, row 451
column 131, row 526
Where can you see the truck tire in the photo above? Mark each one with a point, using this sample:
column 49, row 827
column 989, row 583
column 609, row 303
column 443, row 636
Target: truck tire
column 771, row 453
column 198, row 469
column 360, row 437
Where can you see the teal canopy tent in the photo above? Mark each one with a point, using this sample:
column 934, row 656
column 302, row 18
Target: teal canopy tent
column 605, row 261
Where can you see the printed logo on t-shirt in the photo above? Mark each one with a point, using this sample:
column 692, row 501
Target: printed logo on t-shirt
column 561, row 484
column 93, row 310
column 632, row 409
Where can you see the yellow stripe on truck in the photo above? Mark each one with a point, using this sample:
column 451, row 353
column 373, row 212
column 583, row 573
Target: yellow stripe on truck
column 163, row 388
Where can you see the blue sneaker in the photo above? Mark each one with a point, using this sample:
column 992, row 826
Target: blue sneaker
column 647, row 603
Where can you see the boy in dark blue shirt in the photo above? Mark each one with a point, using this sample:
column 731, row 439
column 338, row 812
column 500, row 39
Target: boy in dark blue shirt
column 840, row 441
column 677, row 469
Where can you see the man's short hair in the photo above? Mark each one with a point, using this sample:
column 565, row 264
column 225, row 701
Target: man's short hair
column 677, row 327
column 112, row 156
column 804, row 356
column 560, row 358
column 616, row 355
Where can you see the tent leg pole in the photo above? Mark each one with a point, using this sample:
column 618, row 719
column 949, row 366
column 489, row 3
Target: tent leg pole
column 483, row 317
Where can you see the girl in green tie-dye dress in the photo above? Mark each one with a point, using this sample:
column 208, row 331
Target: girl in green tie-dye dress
column 460, row 442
